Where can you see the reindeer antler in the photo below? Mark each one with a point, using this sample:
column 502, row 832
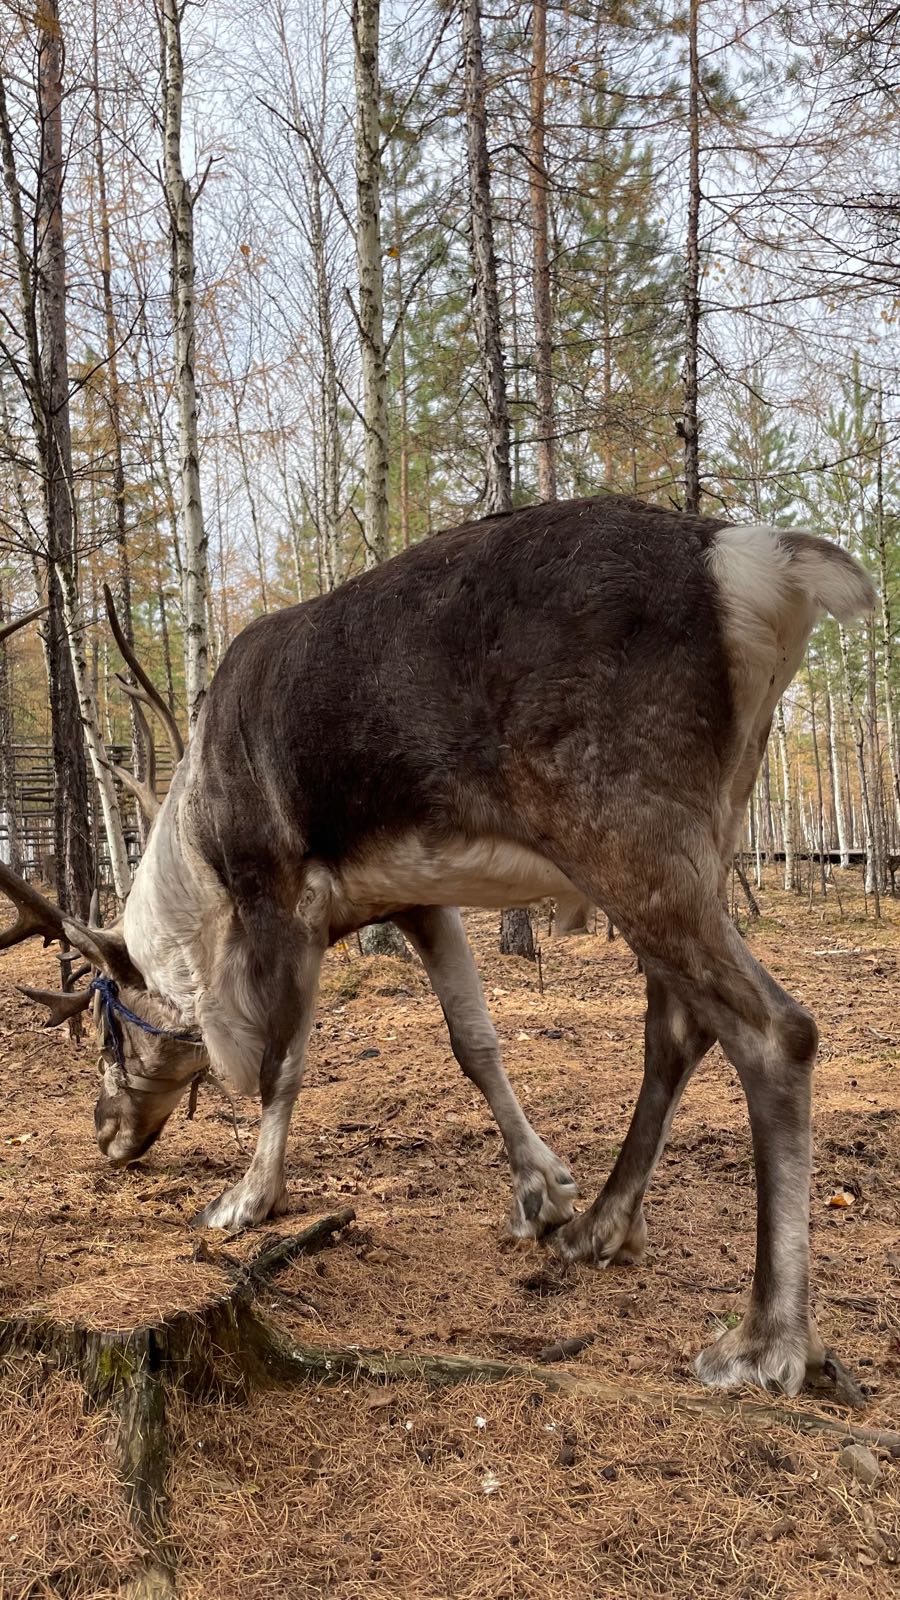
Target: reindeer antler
column 35, row 915
column 105, row 949
column 61, row 1006
column 154, row 698
column 144, row 794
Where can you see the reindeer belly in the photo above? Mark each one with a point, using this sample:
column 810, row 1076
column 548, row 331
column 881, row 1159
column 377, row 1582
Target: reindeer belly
column 415, row 871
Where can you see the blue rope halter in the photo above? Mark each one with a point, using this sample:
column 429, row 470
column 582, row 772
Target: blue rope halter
column 113, row 1007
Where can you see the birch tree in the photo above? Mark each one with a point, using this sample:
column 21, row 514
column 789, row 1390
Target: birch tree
column 689, row 426
column 516, row 937
column 113, row 397
column 498, row 494
column 543, row 314
column 365, row 19
column 180, row 203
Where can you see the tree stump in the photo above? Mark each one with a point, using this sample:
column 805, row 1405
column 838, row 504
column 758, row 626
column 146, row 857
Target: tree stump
column 517, row 934
column 383, row 939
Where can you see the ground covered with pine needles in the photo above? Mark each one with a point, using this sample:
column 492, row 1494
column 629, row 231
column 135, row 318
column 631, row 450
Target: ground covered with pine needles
column 489, row 1490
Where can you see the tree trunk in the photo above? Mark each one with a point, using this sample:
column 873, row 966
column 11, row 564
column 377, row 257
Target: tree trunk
column 383, row 939
column 837, row 792
column 769, row 835
column 887, row 638
column 75, row 869
column 7, row 767
column 484, row 264
column 45, row 379
column 365, row 21
column 330, row 492
column 180, row 202
column 689, row 422
column 400, row 340
column 512, row 323
column 61, row 494
column 538, row 190
column 103, row 775
column 122, row 582
column 787, row 805
column 164, row 633
column 517, row 934
column 859, row 745
column 873, row 750
column 820, row 796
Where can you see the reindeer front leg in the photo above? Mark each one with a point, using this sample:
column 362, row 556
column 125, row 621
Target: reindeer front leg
column 261, row 1191
column 544, row 1190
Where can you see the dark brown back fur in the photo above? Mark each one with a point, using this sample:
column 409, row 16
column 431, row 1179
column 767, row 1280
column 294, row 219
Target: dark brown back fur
column 575, row 645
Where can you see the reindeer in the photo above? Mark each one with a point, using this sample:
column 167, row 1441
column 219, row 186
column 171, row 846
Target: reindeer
column 571, row 699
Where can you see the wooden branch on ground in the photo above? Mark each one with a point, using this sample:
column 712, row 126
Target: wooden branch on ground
column 329, row 1363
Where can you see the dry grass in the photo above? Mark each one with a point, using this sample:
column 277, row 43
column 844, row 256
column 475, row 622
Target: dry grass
column 506, row 1493
column 63, row 1525
column 401, row 1136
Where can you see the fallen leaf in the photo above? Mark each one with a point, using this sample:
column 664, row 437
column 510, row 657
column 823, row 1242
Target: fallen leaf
column 841, row 1198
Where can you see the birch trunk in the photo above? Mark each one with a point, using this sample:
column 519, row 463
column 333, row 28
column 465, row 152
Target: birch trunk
column 400, row 340
column 331, row 438
column 370, row 267
column 689, row 422
column 887, row 637
column 873, row 749
column 90, row 720
column 769, row 842
column 787, row 802
column 837, row 793
column 7, row 766
column 484, row 263
column 516, row 937
column 123, row 569
column 180, row 203
column 859, row 745
column 820, row 793
column 537, row 184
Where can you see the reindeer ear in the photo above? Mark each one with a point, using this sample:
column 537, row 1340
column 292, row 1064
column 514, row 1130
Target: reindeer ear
column 106, row 949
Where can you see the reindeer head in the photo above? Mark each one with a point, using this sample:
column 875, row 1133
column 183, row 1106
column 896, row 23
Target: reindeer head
column 146, row 1057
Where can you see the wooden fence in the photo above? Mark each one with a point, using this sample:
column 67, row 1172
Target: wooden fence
column 32, row 782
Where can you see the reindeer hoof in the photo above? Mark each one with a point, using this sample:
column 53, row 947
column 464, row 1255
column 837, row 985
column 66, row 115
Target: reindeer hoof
column 772, row 1361
column 589, row 1237
column 244, row 1206
column 544, row 1195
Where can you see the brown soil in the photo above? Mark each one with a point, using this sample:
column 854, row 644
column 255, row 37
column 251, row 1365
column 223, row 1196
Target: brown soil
column 345, row 1490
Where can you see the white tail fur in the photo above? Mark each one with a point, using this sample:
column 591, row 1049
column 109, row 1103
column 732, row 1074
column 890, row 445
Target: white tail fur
column 758, row 569
column 832, row 578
